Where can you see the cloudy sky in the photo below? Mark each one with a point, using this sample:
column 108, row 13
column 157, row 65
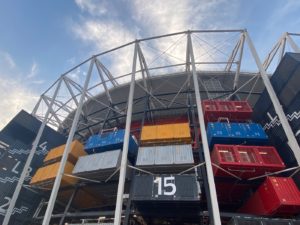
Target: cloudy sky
column 40, row 40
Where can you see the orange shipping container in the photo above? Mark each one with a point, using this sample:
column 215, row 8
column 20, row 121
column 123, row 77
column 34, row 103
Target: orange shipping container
column 148, row 133
column 55, row 154
column 166, row 133
column 45, row 176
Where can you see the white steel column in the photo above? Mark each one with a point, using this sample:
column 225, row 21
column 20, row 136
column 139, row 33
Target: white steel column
column 29, row 159
column 64, row 158
column 292, row 43
column 211, row 182
column 237, row 73
column 275, row 101
column 123, row 167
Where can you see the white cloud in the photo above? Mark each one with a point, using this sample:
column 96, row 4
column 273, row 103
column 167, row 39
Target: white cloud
column 6, row 60
column 33, row 70
column 149, row 18
column 104, row 35
column 94, row 7
column 16, row 89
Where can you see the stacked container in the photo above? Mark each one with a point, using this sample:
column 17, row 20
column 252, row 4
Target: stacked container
column 45, row 176
column 238, row 148
column 110, row 141
column 166, row 150
column 277, row 195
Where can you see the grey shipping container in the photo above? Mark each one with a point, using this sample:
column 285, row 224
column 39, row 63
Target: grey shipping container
column 99, row 166
column 261, row 221
column 169, row 158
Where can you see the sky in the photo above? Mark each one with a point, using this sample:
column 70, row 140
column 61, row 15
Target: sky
column 40, row 40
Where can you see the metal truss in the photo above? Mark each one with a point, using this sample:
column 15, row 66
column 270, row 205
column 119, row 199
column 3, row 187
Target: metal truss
column 280, row 48
column 65, row 104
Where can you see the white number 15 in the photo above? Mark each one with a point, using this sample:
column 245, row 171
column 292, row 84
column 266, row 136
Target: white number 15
column 167, row 183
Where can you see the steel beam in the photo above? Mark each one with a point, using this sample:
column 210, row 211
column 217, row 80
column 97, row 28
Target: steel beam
column 238, row 69
column 275, row 101
column 215, row 217
column 68, row 206
column 293, row 44
column 29, row 159
column 119, row 203
column 67, row 149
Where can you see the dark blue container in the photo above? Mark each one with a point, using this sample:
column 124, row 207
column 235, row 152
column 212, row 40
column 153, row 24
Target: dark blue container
column 235, row 133
column 110, row 141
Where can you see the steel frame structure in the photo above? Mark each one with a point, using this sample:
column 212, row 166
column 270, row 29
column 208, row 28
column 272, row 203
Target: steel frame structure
column 76, row 120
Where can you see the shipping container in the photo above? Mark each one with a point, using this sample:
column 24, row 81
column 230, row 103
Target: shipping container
column 239, row 220
column 166, row 134
column 55, row 154
column 166, row 187
column 110, row 141
column 234, row 111
column 45, row 176
column 16, row 140
column 232, row 191
column 165, row 158
column 99, row 166
column 276, row 196
column 235, row 133
column 245, row 161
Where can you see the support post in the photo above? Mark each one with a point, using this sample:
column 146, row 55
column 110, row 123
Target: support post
column 119, row 204
column 215, row 217
column 275, row 101
column 29, row 159
column 68, row 206
column 237, row 73
column 64, row 158
column 293, row 44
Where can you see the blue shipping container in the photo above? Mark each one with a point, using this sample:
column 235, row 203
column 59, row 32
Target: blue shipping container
column 236, row 133
column 110, row 141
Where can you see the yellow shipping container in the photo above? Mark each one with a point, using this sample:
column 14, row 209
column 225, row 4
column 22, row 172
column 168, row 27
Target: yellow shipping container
column 166, row 133
column 182, row 131
column 148, row 133
column 55, row 154
column 45, row 176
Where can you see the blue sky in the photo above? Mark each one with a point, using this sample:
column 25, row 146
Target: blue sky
column 40, row 40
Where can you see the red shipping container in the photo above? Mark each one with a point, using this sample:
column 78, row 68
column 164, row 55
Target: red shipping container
column 276, row 196
column 245, row 161
column 231, row 192
column 235, row 111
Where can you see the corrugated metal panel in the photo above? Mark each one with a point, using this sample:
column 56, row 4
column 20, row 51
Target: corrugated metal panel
column 183, row 154
column 55, row 154
column 245, row 161
column 166, row 133
column 45, row 176
column 99, row 166
column 164, row 155
column 260, row 221
column 165, row 159
column 276, row 196
column 99, row 161
column 110, row 141
column 146, row 156
column 236, row 133
column 235, row 111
